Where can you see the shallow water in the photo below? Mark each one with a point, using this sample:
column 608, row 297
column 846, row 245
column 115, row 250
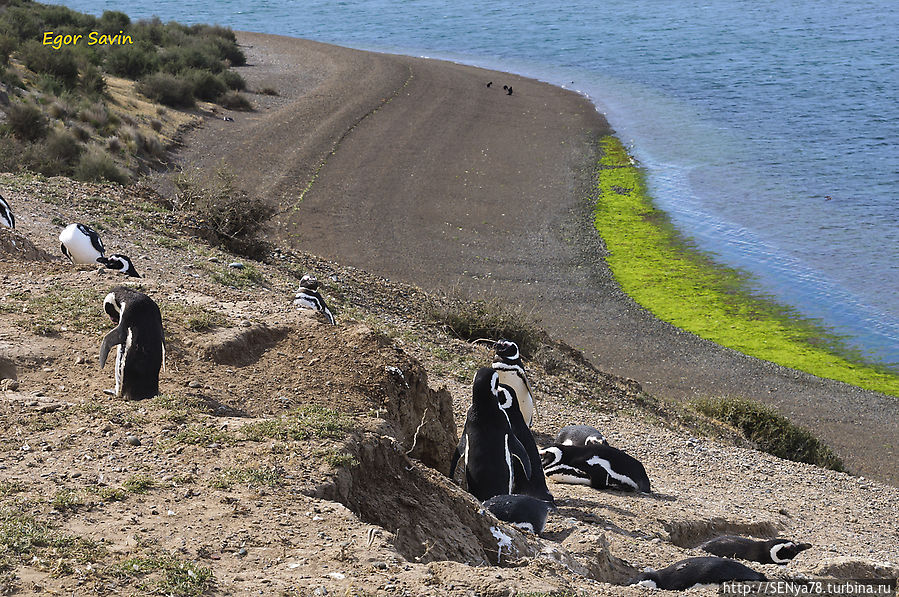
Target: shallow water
column 746, row 116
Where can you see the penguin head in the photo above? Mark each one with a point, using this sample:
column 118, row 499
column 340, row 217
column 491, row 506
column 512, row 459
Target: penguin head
column 550, row 456
column 112, row 307
column 649, row 579
column 120, row 263
column 309, row 282
column 506, row 350
column 486, row 380
column 782, row 550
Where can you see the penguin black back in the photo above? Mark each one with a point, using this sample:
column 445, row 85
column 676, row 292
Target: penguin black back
column 523, row 511
column 770, row 551
column 140, row 342
column 697, row 571
column 308, row 297
column 488, row 446
column 6, row 216
column 596, row 465
column 120, row 263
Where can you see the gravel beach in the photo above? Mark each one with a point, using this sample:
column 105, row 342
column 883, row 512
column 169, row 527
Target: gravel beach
column 418, row 171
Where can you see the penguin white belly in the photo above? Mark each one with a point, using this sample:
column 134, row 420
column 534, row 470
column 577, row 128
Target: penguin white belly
column 119, row 365
column 525, row 400
column 80, row 249
column 509, row 463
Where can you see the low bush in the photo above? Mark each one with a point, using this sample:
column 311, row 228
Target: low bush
column 233, row 80
column 770, row 431
column 26, row 121
column 492, row 320
column 206, row 86
column 95, row 166
column 167, row 89
column 132, row 61
column 45, row 60
column 233, row 100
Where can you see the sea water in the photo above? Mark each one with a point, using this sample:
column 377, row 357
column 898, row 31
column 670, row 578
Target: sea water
column 768, row 129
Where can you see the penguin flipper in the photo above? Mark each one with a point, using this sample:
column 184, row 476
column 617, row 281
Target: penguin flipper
column 516, row 448
column 116, row 336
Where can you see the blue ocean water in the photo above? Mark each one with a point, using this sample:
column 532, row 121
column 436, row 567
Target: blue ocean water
column 768, row 129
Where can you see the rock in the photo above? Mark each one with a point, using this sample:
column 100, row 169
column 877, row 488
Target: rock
column 133, row 440
column 9, row 384
column 236, row 265
column 7, row 369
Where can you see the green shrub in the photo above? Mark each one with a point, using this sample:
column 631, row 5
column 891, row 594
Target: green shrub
column 8, row 45
column 92, row 80
column 233, row 100
column 111, row 21
column 167, row 89
column 63, row 145
column 45, row 60
column 11, row 150
column 95, row 166
column 233, row 80
column 207, row 86
column 26, row 121
column 770, row 431
column 132, row 61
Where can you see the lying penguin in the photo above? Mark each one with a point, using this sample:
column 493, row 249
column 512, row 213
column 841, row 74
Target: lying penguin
column 140, row 340
column 771, row 551
column 6, row 216
column 120, row 263
column 580, row 435
column 488, row 446
column 596, row 465
column 696, row 571
column 523, row 511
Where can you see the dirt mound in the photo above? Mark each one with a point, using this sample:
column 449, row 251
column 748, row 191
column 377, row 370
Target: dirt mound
column 850, row 567
column 15, row 246
column 243, row 346
column 690, row 533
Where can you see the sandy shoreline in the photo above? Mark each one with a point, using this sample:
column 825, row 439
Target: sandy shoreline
column 422, row 173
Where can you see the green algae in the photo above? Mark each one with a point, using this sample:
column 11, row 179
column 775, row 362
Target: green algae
column 679, row 284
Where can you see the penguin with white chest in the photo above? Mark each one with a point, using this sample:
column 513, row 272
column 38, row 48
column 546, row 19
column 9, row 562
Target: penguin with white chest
column 81, row 244
column 140, row 342
column 523, row 511
column 596, row 465
column 688, row 573
column 488, row 446
column 507, row 361
column 6, row 216
column 308, row 297
column 534, row 484
column 580, row 435
column 771, row 551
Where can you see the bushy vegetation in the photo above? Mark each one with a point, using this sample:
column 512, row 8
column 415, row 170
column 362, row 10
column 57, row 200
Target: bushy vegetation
column 224, row 214
column 770, row 431
column 490, row 320
column 62, row 92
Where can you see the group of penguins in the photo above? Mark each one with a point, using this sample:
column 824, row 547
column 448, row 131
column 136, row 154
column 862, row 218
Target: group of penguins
column 139, row 335
column 504, row 468
column 507, row 472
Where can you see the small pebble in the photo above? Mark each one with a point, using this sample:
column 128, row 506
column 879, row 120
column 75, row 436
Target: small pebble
column 236, row 265
column 133, row 440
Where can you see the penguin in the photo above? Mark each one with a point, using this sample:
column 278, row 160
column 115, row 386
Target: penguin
column 308, row 297
column 509, row 90
column 81, row 244
column 488, row 446
column 6, row 217
column 523, row 511
column 119, row 263
column 772, row 551
column 595, row 465
column 489, row 83
column 140, row 340
column 535, row 483
column 507, row 361
column 580, row 435
column 696, row 571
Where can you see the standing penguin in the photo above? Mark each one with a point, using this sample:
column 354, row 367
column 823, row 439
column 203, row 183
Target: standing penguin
column 119, row 263
column 81, row 244
column 6, row 217
column 140, row 340
column 308, row 297
column 507, row 361
column 685, row 574
column 488, row 446
column 535, row 484
column 771, row 551
column 595, row 465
